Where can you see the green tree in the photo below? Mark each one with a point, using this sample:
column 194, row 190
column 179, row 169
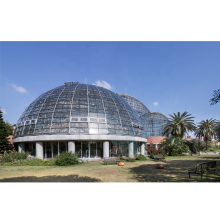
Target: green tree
column 9, row 127
column 4, row 143
column 216, row 97
column 178, row 124
column 218, row 131
column 175, row 146
column 207, row 130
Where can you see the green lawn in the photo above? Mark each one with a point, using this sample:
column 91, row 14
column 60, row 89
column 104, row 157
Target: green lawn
column 138, row 171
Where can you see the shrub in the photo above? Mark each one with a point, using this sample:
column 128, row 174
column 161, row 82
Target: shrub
column 31, row 162
column 66, row 159
column 141, row 157
column 175, row 146
column 12, row 156
column 129, row 159
column 153, row 152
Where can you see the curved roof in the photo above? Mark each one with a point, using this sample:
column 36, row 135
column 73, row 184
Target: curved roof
column 134, row 99
column 75, row 109
column 159, row 113
column 140, row 103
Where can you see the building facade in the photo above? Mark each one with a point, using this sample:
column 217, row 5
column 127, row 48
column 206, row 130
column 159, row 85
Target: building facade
column 153, row 122
column 88, row 119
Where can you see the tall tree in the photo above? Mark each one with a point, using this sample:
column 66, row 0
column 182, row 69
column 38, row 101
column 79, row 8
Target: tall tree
column 218, row 131
column 4, row 140
column 9, row 127
column 178, row 124
column 216, row 97
column 207, row 130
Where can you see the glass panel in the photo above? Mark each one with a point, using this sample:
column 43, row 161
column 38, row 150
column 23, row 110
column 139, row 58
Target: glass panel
column 33, row 153
column 63, row 146
column 93, row 131
column 93, row 119
column 99, row 149
column 85, row 152
column 78, row 148
column 119, row 147
column 28, row 147
column 55, row 149
column 48, row 149
column 92, row 149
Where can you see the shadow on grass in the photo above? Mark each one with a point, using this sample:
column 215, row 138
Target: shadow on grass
column 69, row 178
column 174, row 171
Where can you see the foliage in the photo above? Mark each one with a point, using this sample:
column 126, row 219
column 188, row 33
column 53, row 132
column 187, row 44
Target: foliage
column 206, row 129
column 178, row 124
column 66, row 159
column 141, row 157
column 118, row 150
column 218, row 131
column 216, row 97
column 129, row 159
column 175, row 146
column 195, row 145
column 12, row 156
column 152, row 151
column 9, row 127
column 31, row 162
column 4, row 140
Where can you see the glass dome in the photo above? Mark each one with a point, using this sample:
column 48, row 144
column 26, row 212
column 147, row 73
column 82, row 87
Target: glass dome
column 153, row 122
column 76, row 108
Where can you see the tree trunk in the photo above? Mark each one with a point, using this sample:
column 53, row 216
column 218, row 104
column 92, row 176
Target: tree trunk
column 206, row 142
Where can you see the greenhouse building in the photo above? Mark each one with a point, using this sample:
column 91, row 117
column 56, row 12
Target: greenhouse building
column 87, row 119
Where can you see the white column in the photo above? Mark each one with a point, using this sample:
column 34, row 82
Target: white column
column 71, row 146
column 45, row 147
column 105, row 149
column 131, row 149
column 156, row 148
column 142, row 148
column 39, row 150
column 21, row 147
column 58, row 148
column 51, row 149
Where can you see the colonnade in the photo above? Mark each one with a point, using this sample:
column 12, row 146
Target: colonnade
column 71, row 148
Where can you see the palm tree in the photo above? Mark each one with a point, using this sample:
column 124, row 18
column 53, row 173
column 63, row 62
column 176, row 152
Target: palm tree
column 218, row 131
column 178, row 124
column 206, row 129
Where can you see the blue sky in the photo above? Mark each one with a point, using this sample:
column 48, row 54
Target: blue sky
column 179, row 76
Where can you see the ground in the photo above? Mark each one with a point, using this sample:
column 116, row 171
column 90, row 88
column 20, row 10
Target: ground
column 138, row 171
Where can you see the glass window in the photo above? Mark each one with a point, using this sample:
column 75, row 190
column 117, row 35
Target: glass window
column 93, row 150
column 74, row 119
column 55, row 149
column 63, row 146
column 85, row 151
column 93, row 131
column 78, row 148
column 93, row 119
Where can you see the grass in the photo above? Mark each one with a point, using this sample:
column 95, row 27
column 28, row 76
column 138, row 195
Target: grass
column 138, row 171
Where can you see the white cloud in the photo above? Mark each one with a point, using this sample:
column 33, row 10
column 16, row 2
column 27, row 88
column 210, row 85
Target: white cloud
column 155, row 104
column 104, row 84
column 4, row 111
column 19, row 88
